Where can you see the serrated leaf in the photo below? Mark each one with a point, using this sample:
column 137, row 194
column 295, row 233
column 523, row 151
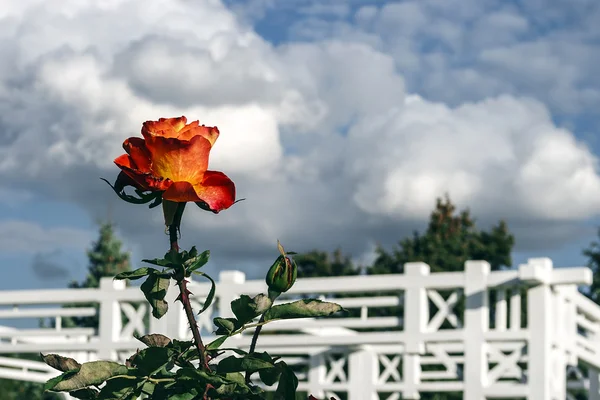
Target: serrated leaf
column 193, row 252
column 211, row 292
column 90, row 373
column 288, row 383
column 161, row 262
column 52, row 382
column 183, row 396
column 84, row 394
column 155, row 289
column 121, row 389
column 215, row 344
column 246, row 308
column 152, row 359
column 182, row 345
column 136, row 274
column 60, row 363
column 225, row 326
column 269, row 376
column 197, row 261
column 203, row 377
column 155, row 340
column 302, row 309
column 246, row 363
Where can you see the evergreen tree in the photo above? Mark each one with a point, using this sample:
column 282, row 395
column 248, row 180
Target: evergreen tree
column 593, row 255
column 319, row 263
column 106, row 259
column 448, row 242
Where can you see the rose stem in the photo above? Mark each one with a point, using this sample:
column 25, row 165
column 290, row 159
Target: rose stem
column 184, row 293
column 253, row 342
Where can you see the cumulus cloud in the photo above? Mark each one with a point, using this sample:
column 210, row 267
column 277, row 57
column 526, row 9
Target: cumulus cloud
column 320, row 137
column 456, row 51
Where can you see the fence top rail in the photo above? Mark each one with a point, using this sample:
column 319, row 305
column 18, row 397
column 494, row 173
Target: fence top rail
column 111, row 290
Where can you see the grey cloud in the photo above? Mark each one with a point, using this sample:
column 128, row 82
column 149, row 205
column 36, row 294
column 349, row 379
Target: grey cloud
column 364, row 162
column 48, row 265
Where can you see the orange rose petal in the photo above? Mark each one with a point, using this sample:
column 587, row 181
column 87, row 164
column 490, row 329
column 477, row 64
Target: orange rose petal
column 216, row 190
column 164, row 127
column 144, row 180
column 124, row 161
column 136, row 147
column 208, row 132
column 181, row 192
column 186, row 128
column 179, row 160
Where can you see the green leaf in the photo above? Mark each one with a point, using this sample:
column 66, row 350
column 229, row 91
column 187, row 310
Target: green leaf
column 161, row 262
column 152, row 359
column 288, row 383
column 196, row 261
column 181, row 345
column 246, row 308
column 215, row 344
column 211, row 292
column 155, row 340
column 193, row 252
column 246, row 363
column 225, row 326
column 60, row 363
column 183, row 396
column 155, row 289
column 136, row 274
column 90, row 373
column 121, row 389
column 302, row 309
column 84, row 394
column 201, row 376
column 269, row 376
column 237, row 385
column 119, row 186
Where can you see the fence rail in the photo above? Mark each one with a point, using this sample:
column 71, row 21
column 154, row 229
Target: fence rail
column 524, row 333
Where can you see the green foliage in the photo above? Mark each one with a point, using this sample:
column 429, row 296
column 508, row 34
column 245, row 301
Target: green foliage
column 448, row 242
column 20, row 390
column 106, row 259
column 169, row 369
column 593, row 255
column 319, row 263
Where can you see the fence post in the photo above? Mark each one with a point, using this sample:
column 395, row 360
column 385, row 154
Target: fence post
column 416, row 317
column 538, row 271
column 109, row 325
column 317, row 370
column 363, row 371
column 229, row 285
column 477, row 322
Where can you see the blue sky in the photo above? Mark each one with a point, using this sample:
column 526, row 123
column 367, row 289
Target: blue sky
column 340, row 121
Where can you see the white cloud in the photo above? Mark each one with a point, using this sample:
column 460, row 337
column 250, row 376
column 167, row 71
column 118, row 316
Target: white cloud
column 456, row 51
column 320, row 137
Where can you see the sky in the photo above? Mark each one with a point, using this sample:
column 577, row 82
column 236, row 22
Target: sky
column 341, row 122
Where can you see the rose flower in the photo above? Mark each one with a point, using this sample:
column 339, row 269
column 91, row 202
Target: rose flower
column 173, row 158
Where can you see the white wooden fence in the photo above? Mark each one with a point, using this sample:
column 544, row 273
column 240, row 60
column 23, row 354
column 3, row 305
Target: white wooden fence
column 407, row 334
